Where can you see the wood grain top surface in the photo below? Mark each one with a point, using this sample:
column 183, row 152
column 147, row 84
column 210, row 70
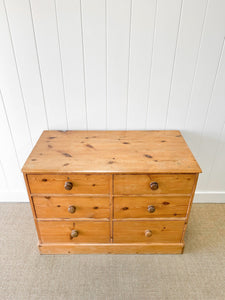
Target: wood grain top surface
column 111, row 152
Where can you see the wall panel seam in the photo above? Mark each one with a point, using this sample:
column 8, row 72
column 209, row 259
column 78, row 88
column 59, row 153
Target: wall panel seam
column 174, row 60
column 10, row 130
column 216, row 152
column 61, row 64
column 106, row 66
column 4, row 174
column 211, row 95
column 128, row 66
column 17, row 72
column 195, row 68
column 84, row 75
column 38, row 63
column 151, row 61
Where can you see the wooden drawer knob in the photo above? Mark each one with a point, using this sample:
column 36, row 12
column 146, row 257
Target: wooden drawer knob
column 154, row 185
column 74, row 233
column 151, row 209
column 148, row 233
column 68, row 185
column 72, row 209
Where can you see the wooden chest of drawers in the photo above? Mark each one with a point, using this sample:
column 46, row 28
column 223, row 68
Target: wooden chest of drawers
column 111, row 191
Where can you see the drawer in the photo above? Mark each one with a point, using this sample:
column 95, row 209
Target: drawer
column 147, row 231
column 71, row 207
column 151, row 207
column 69, row 184
column 74, row 232
column 153, row 184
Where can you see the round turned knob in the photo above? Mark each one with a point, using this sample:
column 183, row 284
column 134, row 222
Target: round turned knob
column 71, row 209
column 148, row 233
column 151, row 209
column 74, row 233
column 154, row 185
column 68, row 185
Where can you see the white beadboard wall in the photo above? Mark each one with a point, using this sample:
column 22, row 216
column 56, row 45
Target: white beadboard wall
column 112, row 64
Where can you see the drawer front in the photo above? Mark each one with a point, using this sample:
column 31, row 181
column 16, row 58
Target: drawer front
column 74, row 232
column 153, row 184
column 150, row 207
column 147, row 231
column 69, row 184
column 71, row 207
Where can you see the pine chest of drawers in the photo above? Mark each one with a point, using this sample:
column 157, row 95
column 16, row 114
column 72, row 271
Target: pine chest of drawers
column 111, row 191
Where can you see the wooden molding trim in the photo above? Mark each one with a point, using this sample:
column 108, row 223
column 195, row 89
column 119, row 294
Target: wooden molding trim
column 165, row 248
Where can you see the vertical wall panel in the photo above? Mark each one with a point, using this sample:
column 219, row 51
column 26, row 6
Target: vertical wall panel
column 26, row 58
column 94, row 41
column 213, row 128
column 216, row 178
column 118, row 54
column 9, row 161
column 3, row 183
column 70, row 36
column 207, row 65
column 191, row 26
column 166, row 33
column 11, row 91
column 44, row 18
column 141, row 42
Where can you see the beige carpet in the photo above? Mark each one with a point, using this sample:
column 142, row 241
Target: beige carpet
column 197, row 274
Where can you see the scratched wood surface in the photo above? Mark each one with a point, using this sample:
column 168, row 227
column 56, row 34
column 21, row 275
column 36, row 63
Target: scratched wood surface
column 111, row 152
